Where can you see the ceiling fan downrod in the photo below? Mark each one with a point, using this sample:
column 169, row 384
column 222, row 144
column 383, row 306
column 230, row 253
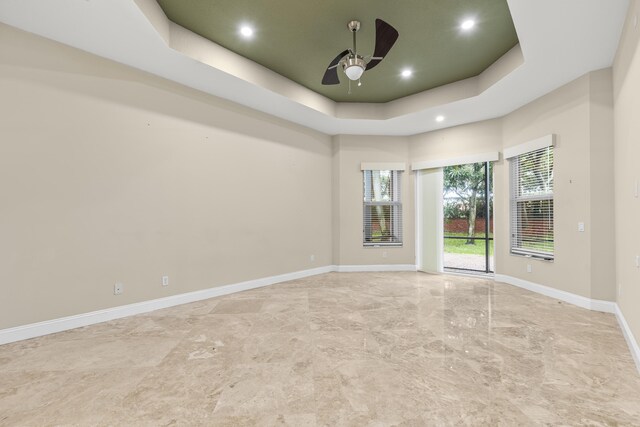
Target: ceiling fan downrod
column 354, row 26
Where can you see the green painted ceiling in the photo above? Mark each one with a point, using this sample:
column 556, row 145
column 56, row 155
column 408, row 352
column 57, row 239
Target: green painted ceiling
column 298, row 39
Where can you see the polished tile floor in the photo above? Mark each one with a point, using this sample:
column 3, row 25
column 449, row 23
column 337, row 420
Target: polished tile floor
column 377, row 349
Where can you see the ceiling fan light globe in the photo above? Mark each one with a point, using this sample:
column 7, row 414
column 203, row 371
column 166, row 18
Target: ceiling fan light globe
column 354, row 72
column 354, row 67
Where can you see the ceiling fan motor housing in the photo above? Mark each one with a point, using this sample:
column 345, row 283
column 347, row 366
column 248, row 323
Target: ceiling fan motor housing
column 354, row 67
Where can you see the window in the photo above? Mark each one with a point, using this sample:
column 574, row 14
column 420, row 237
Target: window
column 532, row 203
column 382, row 208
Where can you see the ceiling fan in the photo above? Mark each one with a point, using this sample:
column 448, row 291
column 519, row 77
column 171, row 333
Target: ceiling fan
column 353, row 64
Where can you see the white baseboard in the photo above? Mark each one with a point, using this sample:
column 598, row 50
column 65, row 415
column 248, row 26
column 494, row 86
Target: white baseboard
column 374, row 268
column 33, row 330
column 579, row 300
column 628, row 336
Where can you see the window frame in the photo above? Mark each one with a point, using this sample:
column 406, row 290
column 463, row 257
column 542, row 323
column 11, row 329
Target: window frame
column 395, row 207
column 515, row 198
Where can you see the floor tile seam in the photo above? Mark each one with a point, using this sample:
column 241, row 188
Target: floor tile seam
column 287, row 363
column 86, row 370
column 81, row 370
column 288, row 311
column 356, row 311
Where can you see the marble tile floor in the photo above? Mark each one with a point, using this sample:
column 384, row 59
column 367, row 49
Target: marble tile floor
column 353, row 349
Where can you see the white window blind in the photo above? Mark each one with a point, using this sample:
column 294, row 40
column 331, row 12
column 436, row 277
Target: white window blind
column 532, row 203
column 382, row 223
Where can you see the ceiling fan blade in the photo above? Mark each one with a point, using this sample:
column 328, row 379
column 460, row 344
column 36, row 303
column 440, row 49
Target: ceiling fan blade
column 386, row 36
column 331, row 74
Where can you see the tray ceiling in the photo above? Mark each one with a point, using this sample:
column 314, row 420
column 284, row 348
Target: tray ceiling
column 297, row 39
column 558, row 42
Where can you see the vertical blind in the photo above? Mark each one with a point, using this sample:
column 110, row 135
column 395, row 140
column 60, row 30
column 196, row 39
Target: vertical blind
column 532, row 203
column 382, row 220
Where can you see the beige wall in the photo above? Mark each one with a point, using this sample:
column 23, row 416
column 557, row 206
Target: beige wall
column 626, row 79
column 108, row 173
column 475, row 138
column 349, row 152
column 601, row 181
column 580, row 114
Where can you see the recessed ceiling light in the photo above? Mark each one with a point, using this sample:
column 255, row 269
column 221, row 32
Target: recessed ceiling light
column 406, row 73
column 440, row 119
column 468, row 24
column 246, row 31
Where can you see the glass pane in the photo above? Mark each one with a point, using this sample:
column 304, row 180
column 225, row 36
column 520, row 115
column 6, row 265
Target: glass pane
column 379, row 224
column 534, row 230
column 459, row 254
column 464, row 201
column 467, row 217
column 378, row 186
column 535, row 170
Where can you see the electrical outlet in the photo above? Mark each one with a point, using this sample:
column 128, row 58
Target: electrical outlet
column 637, row 261
column 118, row 288
column 528, row 268
column 312, row 258
column 581, row 227
column 384, row 254
column 165, row 280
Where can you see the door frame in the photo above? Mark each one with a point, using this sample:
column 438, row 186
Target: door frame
column 417, row 167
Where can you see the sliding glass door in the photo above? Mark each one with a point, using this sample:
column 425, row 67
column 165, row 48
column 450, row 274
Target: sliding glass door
column 468, row 218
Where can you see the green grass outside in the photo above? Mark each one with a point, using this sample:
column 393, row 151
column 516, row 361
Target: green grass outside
column 459, row 246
